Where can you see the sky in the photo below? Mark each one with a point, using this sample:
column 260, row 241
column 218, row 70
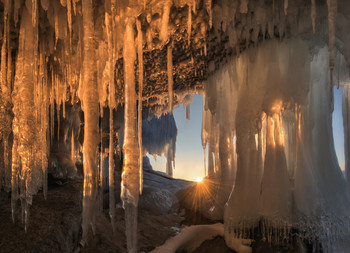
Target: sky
column 189, row 157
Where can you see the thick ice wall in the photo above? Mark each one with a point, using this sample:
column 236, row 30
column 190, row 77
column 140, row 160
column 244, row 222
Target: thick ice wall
column 284, row 114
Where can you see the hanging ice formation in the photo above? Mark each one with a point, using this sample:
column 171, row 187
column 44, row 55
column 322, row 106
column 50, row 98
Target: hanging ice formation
column 267, row 138
column 159, row 138
column 266, row 112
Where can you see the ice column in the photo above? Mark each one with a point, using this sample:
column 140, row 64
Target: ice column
column 170, row 77
column 189, row 23
column 111, row 105
column 164, row 34
column 285, row 7
column 91, row 117
column 25, row 174
column 140, row 59
column 332, row 16
column 131, row 173
column 5, row 101
column 313, row 15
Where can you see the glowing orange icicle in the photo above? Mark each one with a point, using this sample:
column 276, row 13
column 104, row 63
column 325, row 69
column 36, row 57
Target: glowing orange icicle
column 131, row 174
column 170, row 77
column 140, row 58
column 91, row 116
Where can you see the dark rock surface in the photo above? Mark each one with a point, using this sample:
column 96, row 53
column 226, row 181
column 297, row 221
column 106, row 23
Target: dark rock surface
column 55, row 223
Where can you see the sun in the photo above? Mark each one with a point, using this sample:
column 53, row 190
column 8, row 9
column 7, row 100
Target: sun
column 199, row 179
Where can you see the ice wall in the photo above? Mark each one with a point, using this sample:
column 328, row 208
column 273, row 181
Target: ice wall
column 278, row 115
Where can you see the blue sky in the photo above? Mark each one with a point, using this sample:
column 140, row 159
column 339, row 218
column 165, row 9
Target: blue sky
column 189, row 158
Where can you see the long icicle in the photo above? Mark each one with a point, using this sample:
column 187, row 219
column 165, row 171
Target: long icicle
column 189, row 23
column 140, row 59
column 332, row 16
column 111, row 105
column 91, row 116
column 313, row 15
column 130, row 187
column 5, row 92
column 170, row 77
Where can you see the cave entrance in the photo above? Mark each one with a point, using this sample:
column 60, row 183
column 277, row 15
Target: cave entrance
column 189, row 162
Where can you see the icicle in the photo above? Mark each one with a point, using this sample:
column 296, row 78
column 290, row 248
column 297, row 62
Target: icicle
column 140, row 59
column 164, row 34
column 189, row 23
column 130, row 187
column 332, row 16
column 170, row 77
column 188, row 112
column 5, row 94
column 91, row 117
column 313, row 15
column 285, row 7
column 34, row 12
column 69, row 16
column 111, row 105
column 52, row 111
column 205, row 162
column 58, row 109
column 244, row 6
column 24, row 134
column 44, row 119
column 101, row 171
column 210, row 12
column 15, row 171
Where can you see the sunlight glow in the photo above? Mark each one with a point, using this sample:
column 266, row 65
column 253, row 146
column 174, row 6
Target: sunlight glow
column 199, row 179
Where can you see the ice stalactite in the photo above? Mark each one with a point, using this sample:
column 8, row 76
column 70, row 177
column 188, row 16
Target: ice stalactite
column 139, row 123
column 91, row 117
column 244, row 6
column 69, row 16
column 5, row 100
column 170, row 78
column 42, row 102
column 188, row 112
column 204, row 133
column 164, row 33
column 208, row 6
column 111, row 104
column 285, row 7
column 131, row 173
column 26, row 174
column 332, row 17
column 189, row 23
column 313, row 15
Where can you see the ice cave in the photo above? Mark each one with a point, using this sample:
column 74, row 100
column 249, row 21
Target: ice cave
column 91, row 137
